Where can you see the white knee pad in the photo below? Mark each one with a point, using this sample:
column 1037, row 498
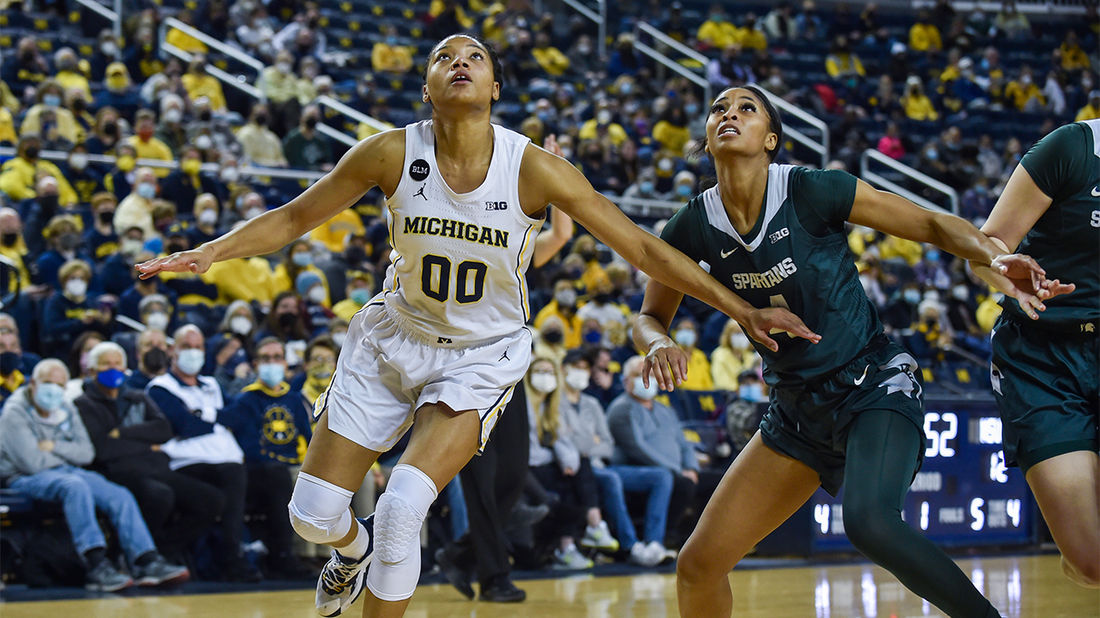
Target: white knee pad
column 397, row 520
column 319, row 510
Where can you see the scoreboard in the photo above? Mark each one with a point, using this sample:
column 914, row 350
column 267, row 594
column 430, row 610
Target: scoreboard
column 964, row 495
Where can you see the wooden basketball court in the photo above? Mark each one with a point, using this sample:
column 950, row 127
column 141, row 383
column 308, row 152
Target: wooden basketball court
column 1021, row 587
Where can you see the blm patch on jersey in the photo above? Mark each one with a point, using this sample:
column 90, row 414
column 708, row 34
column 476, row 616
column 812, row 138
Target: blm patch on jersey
column 419, row 170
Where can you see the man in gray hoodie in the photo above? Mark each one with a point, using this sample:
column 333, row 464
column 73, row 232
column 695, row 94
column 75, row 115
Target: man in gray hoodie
column 43, row 443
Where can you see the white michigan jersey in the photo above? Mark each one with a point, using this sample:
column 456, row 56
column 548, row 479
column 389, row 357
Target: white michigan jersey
column 457, row 274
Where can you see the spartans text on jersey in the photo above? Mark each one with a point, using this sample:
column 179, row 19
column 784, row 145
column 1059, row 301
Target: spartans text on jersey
column 769, row 278
column 472, row 232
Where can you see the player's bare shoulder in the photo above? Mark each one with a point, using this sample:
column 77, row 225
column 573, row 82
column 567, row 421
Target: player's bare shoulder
column 378, row 159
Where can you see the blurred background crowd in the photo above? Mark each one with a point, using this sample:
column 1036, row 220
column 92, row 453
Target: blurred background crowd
column 121, row 152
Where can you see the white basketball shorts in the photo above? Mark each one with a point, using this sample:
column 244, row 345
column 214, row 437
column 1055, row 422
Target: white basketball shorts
column 385, row 374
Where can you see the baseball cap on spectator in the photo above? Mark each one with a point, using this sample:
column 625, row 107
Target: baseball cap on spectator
column 117, row 77
column 58, row 222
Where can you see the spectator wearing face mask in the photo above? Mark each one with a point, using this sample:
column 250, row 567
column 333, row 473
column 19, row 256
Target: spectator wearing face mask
column 202, row 447
column 127, row 430
column 311, row 290
column 686, row 335
column 170, row 129
column 916, row 104
column 27, row 69
column 731, row 358
column 751, row 388
column 304, row 148
column 151, row 353
column 648, row 433
column 683, row 187
column 63, row 237
column 14, row 248
column 287, row 322
column 603, row 126
column 145, row 144
column 299, row 258
column 19, row 175
column 1024, row 94
column 100, row 240
column 48, row 118
column 118, row 91
column 320, row 363
column 389, row 56
column 261, row 145
column 359, row 291
column 206, row 214
column 271, row 423
column 564, row 307
column 184, row 185
column 136, row 209
column 86, row 180
column 70, row 312
column 280, row 84
column 199, row 83
column 44, row 448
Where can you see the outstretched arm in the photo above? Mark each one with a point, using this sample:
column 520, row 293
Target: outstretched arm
column 897, row 216
column 548, row 179
column 374, row 161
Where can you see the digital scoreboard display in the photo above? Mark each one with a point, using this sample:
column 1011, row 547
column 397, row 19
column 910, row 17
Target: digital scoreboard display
column 964, row 495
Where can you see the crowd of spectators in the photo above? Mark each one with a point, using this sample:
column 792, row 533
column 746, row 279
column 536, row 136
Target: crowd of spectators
column 221, row 368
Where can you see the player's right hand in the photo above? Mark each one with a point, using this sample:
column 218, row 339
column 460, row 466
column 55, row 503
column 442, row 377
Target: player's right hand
column 667, row 363
column 763, row 321
column 196, row 261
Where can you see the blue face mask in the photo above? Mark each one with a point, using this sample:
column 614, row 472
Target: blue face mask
column 593, row 336
column 52, row 100
column 646, row 187
column 684, row 190
column 360, row 296
column 932, row 255
column 111, row 378
column 302, row 259
column 391, row 41
column 190, row 362
column 911, row 296
column 146, row 190
column 691, row 109
column 271, row 374
column 751, row 392
column 49, row 396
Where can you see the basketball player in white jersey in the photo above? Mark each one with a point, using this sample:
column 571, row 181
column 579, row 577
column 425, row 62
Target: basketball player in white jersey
column 442, row 346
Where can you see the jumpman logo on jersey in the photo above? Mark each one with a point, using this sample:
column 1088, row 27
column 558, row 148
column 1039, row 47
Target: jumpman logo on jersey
column 420, row 192
column 504, row 356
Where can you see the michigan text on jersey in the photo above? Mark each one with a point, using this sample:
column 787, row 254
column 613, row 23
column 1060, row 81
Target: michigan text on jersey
column 435, row 226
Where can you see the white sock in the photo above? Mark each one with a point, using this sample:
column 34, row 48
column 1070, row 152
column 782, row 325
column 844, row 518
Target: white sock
column 358, row 547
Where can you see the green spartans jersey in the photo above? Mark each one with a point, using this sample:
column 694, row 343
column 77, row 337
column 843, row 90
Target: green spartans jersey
column 1065, row 165
column 796, row 256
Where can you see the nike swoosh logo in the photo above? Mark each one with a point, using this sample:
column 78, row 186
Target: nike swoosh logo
column 1096, row 191
column 726, row 254
column 864, row 376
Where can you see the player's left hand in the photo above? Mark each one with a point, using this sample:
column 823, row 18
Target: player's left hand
column 667, row 363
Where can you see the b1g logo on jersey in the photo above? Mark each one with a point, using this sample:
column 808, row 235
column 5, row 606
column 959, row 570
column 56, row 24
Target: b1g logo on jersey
column 419, row 170
column 776, row 236
column 496, row 205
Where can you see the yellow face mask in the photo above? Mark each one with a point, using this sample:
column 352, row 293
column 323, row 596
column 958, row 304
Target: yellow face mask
column 117, row 82
column 125, row 163
column 191, row 167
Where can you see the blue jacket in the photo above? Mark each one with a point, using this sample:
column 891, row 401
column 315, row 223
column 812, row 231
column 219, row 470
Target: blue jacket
column 269, row 424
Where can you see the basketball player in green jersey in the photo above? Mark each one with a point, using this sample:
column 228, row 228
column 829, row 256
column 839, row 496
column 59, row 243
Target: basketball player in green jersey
column 1045, row 372
column 845, row 410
